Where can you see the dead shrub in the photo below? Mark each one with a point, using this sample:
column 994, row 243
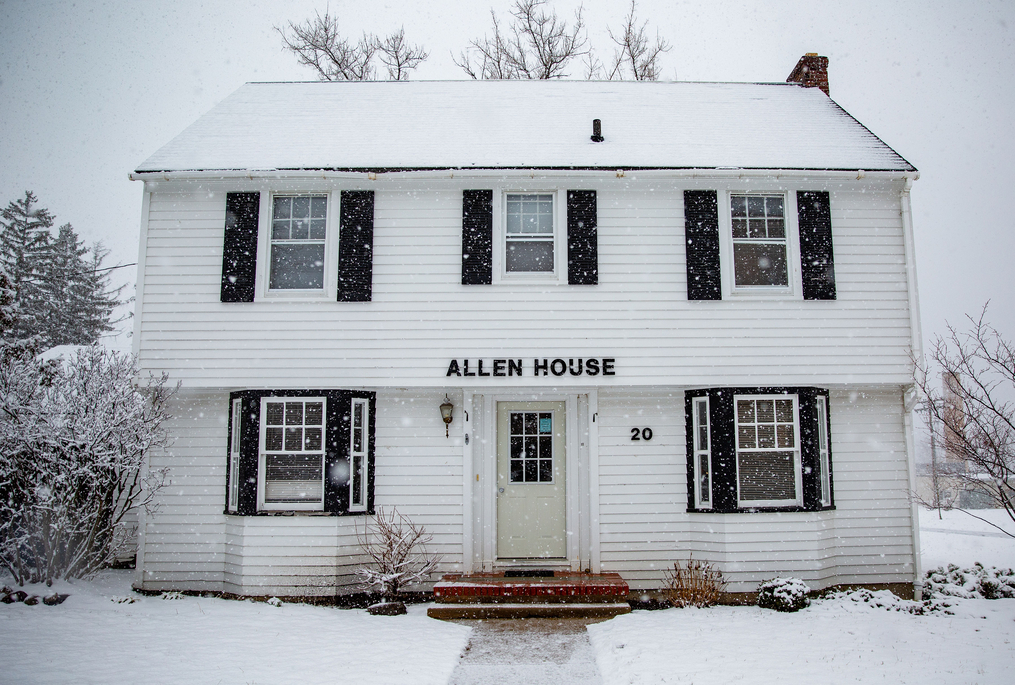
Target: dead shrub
column 694, row 583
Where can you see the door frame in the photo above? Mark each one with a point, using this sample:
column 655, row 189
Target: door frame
column 580, row 479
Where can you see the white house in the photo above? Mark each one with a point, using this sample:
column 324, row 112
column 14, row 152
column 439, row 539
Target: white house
column 684, row 331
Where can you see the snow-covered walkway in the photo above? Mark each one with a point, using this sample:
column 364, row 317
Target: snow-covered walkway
column 527, row 652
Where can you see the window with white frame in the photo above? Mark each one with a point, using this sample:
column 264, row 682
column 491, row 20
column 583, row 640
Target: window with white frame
column 234, row 457
column 291, row 459
column 760, row 246
column 359, row 455
column 702, row 455
column 529, row 233
column 296, row 247
column 768, row 450
column 823, row 461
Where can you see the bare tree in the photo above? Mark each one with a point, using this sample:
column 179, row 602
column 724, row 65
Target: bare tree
column 397, row 547
column 399, row 57
column 977, row 420
column 318, row 44
column 635, row 56
column 536, row 45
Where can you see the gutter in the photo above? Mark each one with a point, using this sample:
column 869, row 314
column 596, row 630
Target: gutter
column 373, row 174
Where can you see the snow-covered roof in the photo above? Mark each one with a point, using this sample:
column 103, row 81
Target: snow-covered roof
column 528, row 124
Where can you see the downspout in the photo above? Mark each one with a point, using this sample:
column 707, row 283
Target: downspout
column 910, row 394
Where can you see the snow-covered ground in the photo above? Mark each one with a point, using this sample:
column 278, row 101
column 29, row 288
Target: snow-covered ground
column 91, row 638
column 833, row 641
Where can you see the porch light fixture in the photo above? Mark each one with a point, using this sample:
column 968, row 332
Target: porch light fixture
column 446, row 409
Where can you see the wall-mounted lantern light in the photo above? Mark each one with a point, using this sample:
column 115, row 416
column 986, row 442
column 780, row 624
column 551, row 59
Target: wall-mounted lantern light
column 446, row 409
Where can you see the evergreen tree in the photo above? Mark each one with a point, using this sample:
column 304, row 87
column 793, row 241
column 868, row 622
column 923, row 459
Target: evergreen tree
column 24, row 241
column 61, row 290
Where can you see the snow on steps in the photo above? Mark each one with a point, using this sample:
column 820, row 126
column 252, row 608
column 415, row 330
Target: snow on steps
column 562, row 595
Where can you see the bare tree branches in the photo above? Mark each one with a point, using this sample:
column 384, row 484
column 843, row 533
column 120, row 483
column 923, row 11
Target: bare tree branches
column 397, row 547
column 635, row 56
column 318, row 44
column 977, row 419
column 536, row 45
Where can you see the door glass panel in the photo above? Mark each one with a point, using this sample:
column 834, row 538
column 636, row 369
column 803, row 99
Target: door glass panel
column 531, row 447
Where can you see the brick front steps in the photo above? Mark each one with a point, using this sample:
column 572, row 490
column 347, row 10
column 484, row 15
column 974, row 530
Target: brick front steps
column 562, row 595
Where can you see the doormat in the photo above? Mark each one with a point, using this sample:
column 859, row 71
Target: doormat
column 528, row 573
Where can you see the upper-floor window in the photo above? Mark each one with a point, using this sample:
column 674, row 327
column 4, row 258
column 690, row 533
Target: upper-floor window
column 759, row 241
column 299, row 226
column 529, row 233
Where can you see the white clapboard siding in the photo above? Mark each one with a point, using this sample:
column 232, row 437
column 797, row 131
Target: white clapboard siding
column 191, row 544
column 645, row 527
column 421, row 317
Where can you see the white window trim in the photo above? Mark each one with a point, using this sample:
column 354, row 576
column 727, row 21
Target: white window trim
column 825, row 478
column 797, row 475
column 701, row 451
column 730, row 289
column 235, row 448
column 261, row 467
column 364, row 453
column 329, row 292
column 500, row 273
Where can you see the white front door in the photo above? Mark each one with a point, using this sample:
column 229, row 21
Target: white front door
column 531, row 502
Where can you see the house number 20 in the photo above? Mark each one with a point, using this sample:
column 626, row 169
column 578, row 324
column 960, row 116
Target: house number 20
column 641, row 433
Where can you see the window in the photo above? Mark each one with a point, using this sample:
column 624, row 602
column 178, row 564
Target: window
column 358, row 456
column 758, row 449
column 234, row 458
column 300, row 450
column 291, row 464
column 531, row 435
column 758, row 225
column 702, row 455
column 529, row 233
column 768, row 458
column 297, row 245
column 823, row 461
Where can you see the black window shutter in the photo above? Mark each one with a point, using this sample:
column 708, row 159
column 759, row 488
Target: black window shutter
column 250, row 421
column 582, row 238
column 817, row 265
column 477, row 237
column 239, row 247
column 701, row 232
column 356, row 246
column 336, row 456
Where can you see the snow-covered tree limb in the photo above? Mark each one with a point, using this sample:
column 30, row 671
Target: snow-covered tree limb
column 397, row 548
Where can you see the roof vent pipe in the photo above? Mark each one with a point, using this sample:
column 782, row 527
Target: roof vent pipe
column 597, row 131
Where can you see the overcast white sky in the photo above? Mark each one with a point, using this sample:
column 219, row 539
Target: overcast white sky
column 88, row 90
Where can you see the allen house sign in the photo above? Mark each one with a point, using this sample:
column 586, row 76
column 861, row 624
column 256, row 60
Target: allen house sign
column 540, row 367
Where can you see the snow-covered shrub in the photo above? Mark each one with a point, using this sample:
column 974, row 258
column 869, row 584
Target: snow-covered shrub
column 696, row 583
column 397, row 546
column 977, row 581
column 73, row 443
column 889, row 601
column 274, row 601
column 784, row 594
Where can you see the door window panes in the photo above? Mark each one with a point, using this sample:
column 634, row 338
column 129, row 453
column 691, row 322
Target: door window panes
column 531, row 436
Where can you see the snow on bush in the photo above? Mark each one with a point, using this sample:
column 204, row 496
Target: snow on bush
column 397, row 546
column 73, row 444
column 783, row 594
column 889, row 601
column 976, row 582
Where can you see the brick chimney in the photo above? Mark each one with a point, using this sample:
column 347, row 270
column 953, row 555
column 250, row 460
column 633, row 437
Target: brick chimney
column 811, row 72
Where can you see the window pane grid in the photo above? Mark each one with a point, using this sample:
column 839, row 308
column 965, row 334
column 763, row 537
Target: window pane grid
column 758, row 225
column 767, row 449
column 531, row 447
column 529, row 234
column 826, row 486
column 293, row 448
column 358, row 459
column 298, row 230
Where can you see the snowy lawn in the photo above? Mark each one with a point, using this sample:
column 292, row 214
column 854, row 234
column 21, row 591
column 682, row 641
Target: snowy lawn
column 92, row 639
column 833, row 641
